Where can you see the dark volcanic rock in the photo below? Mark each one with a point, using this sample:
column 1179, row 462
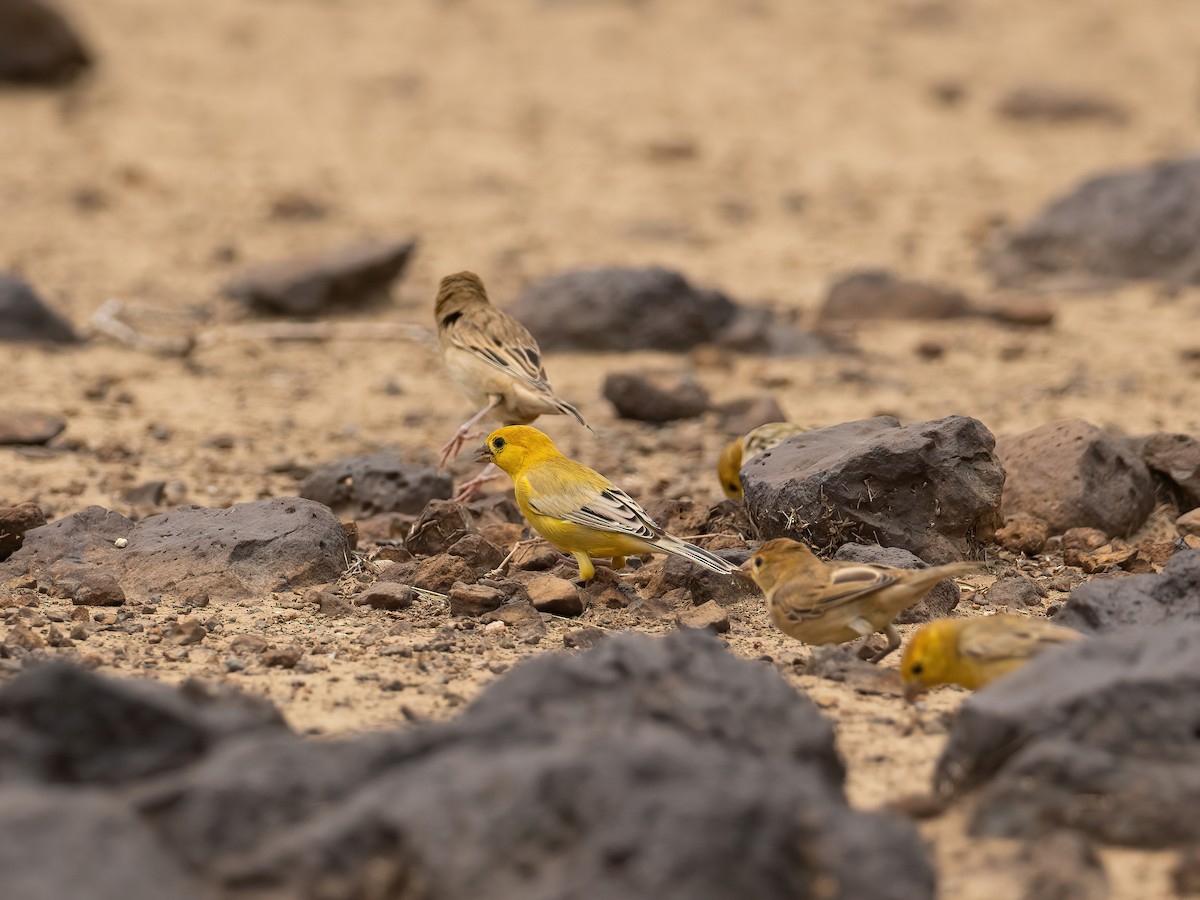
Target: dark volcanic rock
column 38, row 46
column 1135, row 223
column 1069, row 473
column 1108, row 723
column 878, row 294
column 655, row 395
column 348, row 276
column 1104, row 604
column 639, row 769
column 1015, row 591
column 267, row 545
column 23, row 315
column 1176, row 457
column 82, row 538
column 938, row 603
column 61, row 724
column 14, row 522
column 56, row 844
column 28, row 426
column 442, row 523
column 622, row 309
column 932, row 487
column 362, row 486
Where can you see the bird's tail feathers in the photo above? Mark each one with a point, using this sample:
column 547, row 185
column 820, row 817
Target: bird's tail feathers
column 568, row 410
column 670, row 544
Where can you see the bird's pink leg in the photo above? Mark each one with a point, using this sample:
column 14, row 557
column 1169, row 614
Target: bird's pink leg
column 469, row 489
column 454, row 445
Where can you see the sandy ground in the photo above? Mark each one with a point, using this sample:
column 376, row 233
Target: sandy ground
column 760, row 147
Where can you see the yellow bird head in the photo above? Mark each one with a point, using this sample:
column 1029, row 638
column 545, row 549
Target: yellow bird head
column 728, row 465
column 510, row 447
column 777, row 561
column 929, row 657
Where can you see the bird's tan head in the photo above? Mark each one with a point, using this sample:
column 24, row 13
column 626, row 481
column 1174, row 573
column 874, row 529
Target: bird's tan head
column 513, row 446
column 928, row 657
column 728, row 465
column 457, row 293
column 776, row 560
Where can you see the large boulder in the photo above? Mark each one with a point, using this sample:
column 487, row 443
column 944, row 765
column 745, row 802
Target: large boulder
column 932, row 488
column 1107, row 724
column 1108, row 603
column 1141, row 223
column 1071, row 474
column 247, row 549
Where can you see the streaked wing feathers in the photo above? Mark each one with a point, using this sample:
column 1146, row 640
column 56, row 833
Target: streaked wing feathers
column 846, row 585
column 502, row 342
column 603, row 507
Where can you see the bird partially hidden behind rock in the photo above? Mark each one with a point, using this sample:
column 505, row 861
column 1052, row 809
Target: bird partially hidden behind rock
column 975, row 652
column 495, row 361
column 577, row 509
column 748, row 446
column 822, row 602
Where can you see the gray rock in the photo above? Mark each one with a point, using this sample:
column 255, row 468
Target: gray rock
column 1071, row 474
column 57, row 843
column 1109, row 603
column 38, row 45
column 622, row 309
column 655, row 395
column 879, row 294
column 1107, row 723
column 1141, row 223
column 643, row 768
column 23, row 314
column 26, row 426
column 267, row 545
column 363, row 486
column 939, row 602
column 343, row 277
column 1015, row 591
column 932, row 487
column 14, row 522
column 62, row 724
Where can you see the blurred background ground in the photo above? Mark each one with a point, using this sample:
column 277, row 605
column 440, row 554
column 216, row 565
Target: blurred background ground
column 759, row 147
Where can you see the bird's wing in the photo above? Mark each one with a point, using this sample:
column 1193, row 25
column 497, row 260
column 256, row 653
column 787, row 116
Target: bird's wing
column 845, row 584
column 1009, row 642
column 589, row 500
column 502, row 342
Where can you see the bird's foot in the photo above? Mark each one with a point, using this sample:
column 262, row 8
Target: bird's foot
column 468, row 489
column 454, row 446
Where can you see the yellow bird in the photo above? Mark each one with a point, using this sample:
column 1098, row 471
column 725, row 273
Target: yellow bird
column 494, row 360
column 748, row 446
column 974, row 652
column 577, row 509
column 834, row 602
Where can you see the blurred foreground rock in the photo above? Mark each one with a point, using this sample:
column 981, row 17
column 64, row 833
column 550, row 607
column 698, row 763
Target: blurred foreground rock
column 1105, row 604
column 1098, row 736
column 642, row 768
column 1071, row 474
column 932, row 487
column 350, row 276
column 1139, row 223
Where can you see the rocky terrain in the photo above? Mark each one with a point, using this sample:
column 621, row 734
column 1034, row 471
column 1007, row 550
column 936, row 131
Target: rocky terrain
column 958, row 240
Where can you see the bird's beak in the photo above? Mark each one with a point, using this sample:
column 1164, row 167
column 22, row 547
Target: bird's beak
column 484, row 454
column 913, row 690
column 746, row 569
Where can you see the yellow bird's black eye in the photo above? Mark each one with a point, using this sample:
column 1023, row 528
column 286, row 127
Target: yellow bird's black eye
column 917, row 668
column 498, row 443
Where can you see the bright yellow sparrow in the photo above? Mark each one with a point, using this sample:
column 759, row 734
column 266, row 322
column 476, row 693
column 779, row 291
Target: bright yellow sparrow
column 577, row 509
column 748, row 446
column 974, row 652
column 834, row 602
column 494, row 360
